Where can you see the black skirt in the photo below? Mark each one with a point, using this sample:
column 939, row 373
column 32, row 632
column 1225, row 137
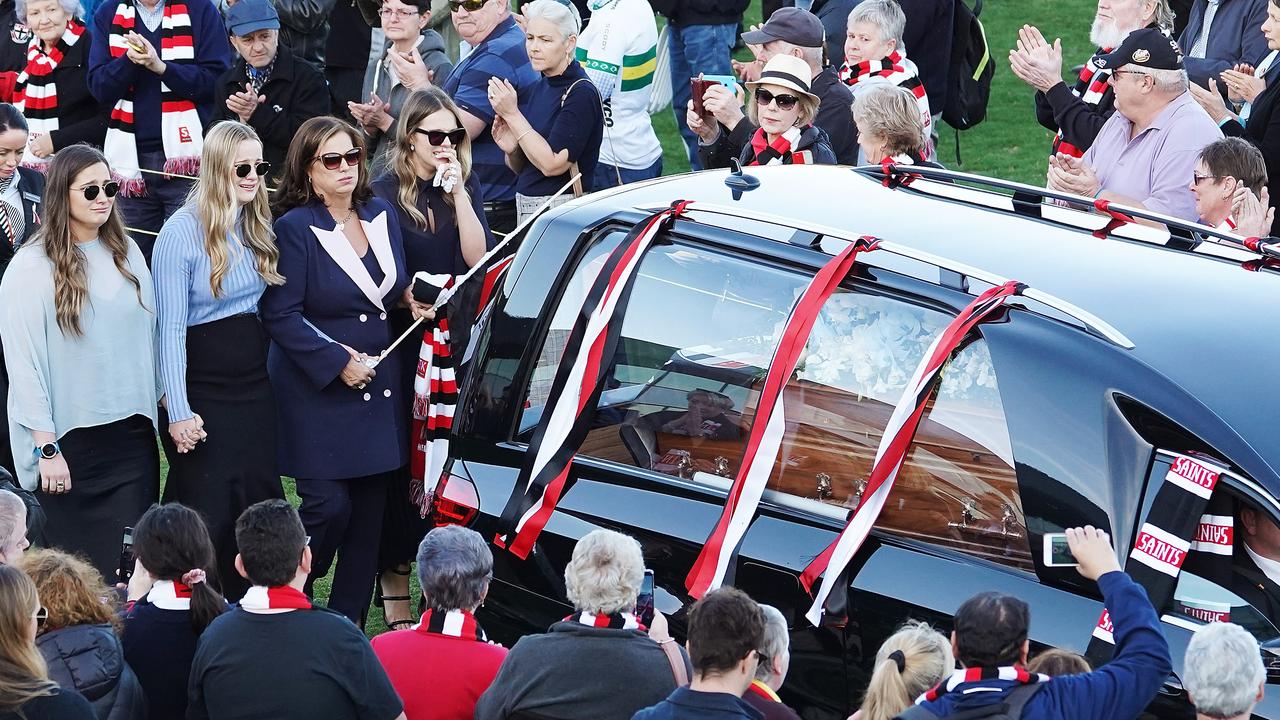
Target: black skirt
column 115, row 477
column 235, row 466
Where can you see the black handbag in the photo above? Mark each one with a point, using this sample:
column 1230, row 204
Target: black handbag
column 35, row 514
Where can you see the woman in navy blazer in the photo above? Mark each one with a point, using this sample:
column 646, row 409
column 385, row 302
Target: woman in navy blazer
column 341, row 430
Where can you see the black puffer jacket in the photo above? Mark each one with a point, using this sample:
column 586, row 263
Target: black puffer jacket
column 90, row 660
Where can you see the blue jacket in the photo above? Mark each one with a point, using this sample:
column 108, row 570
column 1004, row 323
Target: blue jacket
column 686, row 703
column 1234, row 37
column 1119, row 690
column 327, row 430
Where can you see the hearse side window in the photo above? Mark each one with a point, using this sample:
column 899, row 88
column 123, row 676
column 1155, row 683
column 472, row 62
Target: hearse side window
column 683, row 388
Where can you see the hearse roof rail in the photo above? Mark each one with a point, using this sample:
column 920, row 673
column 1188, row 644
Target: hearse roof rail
column 1094, row 324
column 900, row 175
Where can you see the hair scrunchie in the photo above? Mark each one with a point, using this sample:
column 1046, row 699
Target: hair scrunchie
column 899, row 659
column 197, row 575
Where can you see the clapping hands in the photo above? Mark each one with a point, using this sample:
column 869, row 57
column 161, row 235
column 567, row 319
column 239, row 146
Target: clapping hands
column 1035, row 61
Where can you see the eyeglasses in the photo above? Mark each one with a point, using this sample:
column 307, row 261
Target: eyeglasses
column 333, row 161
column 109, row 188
column 468, row 5
column 785, row 102
column 260, row 169
column 1197, row 178
column 436, row 137
column 402, row 14
column 42, row 614
column 1117, row 73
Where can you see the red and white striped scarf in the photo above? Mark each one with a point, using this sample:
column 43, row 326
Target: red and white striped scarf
column 435, row 395
column 895, row 69
column 971, row 675
column 1090, row 87
column 36, row 94
column 780, row 151
column 170, row 595
column 282, row 597
column 452, row 623
column 180, row 128
column 616, row 621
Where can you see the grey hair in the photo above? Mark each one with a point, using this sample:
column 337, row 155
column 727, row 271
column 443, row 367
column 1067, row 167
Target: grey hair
column 813, row 56
column 12, row 513
column 70, row 7
column 775, row 642
column 886, row 15
column 454, row 567
column 1223, row 670
column 1171, row 82
column 605, row 573
column 891, row 112
column 564, row 16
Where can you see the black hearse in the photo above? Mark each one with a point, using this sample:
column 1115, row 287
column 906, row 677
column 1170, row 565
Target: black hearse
column 1137, row 345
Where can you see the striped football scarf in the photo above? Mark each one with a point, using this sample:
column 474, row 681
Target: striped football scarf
column 282, row 597
column 36, row 94
column 180, row 128
column 971, row 675
column 779, row 152
column 435, row 396
column 170, row 595
column 451, row 623
column 1091, row 87
column 616, row 621
column 892, row 69
column 831, row 597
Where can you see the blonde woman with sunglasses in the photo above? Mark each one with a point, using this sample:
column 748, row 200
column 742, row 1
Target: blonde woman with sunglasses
column 77, row 316
column 212, row 262
column 25, row 688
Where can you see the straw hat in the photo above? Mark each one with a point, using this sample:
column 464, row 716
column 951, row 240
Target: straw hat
column 786, row 71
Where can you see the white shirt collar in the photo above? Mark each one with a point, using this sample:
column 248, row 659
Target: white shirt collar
column 1269, row 567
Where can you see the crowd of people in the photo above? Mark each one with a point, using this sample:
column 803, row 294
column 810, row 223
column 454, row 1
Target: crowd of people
column 211, row 217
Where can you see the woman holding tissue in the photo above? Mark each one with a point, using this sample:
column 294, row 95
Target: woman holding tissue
column 440, row 211
column 339, row 407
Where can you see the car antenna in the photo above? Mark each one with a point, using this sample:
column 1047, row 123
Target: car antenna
column 739, row 182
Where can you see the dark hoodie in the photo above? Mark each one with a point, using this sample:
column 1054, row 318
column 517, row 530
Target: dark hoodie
column 1119, row 690
column 377, row 78
column 90, row 660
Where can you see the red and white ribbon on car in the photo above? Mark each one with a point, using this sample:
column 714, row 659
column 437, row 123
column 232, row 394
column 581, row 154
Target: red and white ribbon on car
column 894, row 445
column 763, row 443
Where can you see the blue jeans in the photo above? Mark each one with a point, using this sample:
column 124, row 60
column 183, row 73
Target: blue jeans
column 607, row 175
column 696, row 49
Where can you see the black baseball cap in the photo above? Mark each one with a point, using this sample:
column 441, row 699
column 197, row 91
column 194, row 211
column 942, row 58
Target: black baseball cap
column 1148, row 48
column 789, row 24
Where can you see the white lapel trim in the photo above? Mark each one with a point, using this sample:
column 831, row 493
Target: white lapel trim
column 340, row 250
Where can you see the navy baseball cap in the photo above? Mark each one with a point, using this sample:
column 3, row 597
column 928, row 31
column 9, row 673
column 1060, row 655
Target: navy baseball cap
column 789, row 24
column 250, row 16
column 1148, row 48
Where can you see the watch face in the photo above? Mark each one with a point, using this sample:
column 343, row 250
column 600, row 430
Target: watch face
column 48, row 451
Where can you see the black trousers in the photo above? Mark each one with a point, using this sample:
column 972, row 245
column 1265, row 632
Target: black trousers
column 344, row 518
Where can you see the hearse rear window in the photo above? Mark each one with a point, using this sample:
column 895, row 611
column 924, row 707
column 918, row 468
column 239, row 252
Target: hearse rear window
column 681, row 396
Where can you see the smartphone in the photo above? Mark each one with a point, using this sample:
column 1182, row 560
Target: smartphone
column 698, row 87
column 644, row 601
column 1056, row 551
column 126, row 556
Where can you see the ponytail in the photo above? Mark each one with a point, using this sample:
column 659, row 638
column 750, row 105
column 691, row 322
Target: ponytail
column 887, row 694
column 206, row 605
column 912, row 660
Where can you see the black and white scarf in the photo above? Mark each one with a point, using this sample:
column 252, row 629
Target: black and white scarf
column 782, row 151
column 36, row 94
column 452, row 623
column 616, row 621
column 1091, row 87
column 894, row 69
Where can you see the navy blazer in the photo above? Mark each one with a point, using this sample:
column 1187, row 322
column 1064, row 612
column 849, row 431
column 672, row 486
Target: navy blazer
column 1234, row 37
column 31, row 187
column 327, row 430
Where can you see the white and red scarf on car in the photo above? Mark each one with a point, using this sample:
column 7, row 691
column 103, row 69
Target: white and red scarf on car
column 180, row 129
column 616, row 621
column 35, row 93
column 452, row 623
column 831, row 596
column 779, row 152
column 1090, row 87
column 170, row 595
column 894, row 69
column 717, row 558
column 575, row 390
column 281, row 597
column 978, row 674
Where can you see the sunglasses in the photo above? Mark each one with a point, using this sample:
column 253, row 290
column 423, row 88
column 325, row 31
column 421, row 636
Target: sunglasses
column 110, row 188
column 41, row 616
column 468, row 5
column 436, row 137
column 260, row 169
column 333, row 161
column 785, row 102
column 1197, row 178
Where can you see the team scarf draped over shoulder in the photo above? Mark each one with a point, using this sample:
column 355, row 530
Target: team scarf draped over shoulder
column 1090, row 87
column 616, row 621
column 976, row 674
column 180, row 129
column 170, row 595
column 36, row 93
column 452, row 623
column 281, row 597
column 782, row 151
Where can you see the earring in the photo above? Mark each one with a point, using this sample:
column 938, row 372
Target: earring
column 412, row 147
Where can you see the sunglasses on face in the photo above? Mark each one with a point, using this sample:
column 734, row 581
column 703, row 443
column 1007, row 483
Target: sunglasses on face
column 333, row 161
column 110, row 188
column 468, row 5
column 436, row 137
column 260, row 169
column 785, row 102
column 41, row 616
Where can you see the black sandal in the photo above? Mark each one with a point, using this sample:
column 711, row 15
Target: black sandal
column 380, row 600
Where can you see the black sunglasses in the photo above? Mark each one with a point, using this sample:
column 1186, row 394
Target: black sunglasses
column 468, row 5
column 785, row 102
column 110, row 188
column 436, row 137
column 41, row 616
column 260, row 169
column 333, row 161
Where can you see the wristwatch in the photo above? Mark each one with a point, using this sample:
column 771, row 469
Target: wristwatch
column 47, row 451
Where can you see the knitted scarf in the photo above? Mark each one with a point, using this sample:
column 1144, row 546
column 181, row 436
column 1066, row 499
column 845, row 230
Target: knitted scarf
column 1091, row 87
column 969, row 675
column 779, row 152
column 170, row 595
column 617, row 621
column 894, row 69
column 180, row 128
column 453, row 623
column 435, row 395
column 282, row 597
column 36, row 94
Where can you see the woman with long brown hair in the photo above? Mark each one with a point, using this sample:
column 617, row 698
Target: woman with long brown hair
column 78, row 325
column 342, row 430
column 25, row 688
column 440, row 210
column 212, row 262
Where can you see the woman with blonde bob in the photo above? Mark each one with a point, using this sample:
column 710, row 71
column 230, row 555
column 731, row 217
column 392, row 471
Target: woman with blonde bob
column 25, row 688
column 440, row 210
column 912, row 660
column 214, row 258
column 889, row 126
column 78, row 326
